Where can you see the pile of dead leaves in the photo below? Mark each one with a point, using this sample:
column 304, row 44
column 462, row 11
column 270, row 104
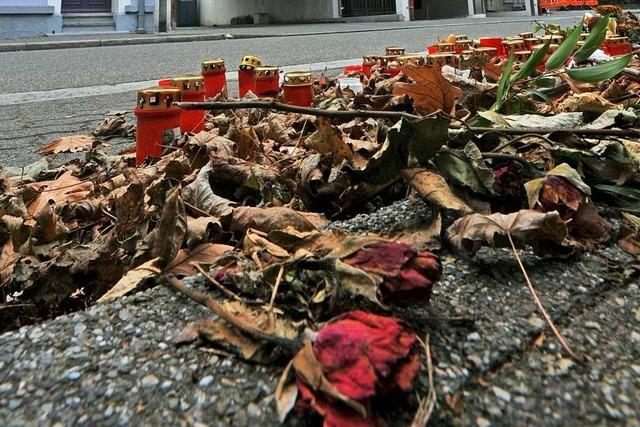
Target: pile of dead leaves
column 246, row 203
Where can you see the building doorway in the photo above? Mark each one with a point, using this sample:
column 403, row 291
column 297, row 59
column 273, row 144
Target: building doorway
column 86, row 6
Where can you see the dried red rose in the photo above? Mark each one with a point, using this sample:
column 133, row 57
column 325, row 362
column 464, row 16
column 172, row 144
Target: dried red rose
column 407, row 275
column 361, row 356
column 558, row 194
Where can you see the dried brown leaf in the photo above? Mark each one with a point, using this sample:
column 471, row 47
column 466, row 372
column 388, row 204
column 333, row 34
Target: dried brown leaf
column 431, row 91
column 276, row 218
column 166, row 239
column 69, row 144
column 132, row 280
column 49, row 225
column 433, row 188
column 185, row 262
column 329, row 139
column 544, row 232
column 65, row 189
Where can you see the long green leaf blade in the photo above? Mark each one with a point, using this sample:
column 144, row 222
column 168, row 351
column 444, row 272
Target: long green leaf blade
column 559, row 57
column 593, row 42
column 600, row 72
column 504, row 85
column 530, row 66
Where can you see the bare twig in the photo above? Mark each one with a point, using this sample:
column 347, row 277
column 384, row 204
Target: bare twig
column 393, row 115
column 273, row 105
column 521, row 137
column 576, row 131
column 428, row 403
column 217, row 284
column 555, row 330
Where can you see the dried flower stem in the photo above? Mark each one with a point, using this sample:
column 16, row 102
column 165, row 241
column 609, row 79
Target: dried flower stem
column 425, row 409
column 555, row 330
column 275, row 288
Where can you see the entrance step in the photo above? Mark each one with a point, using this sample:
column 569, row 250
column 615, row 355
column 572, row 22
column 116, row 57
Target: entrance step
column 88, row 23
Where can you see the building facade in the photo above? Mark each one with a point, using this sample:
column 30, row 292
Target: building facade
column 29, row 18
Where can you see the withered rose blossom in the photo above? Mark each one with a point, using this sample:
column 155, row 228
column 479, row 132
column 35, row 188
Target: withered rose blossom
column 508, row 185
column 558, row 194
column 408, row 275
column 363, row 356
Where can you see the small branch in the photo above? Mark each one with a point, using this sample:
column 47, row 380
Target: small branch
column 520, row 138
column 213, row 305
column 217, row 284
column 555, row 330
column 272, row 105
column 393, row 115
column 578, row 131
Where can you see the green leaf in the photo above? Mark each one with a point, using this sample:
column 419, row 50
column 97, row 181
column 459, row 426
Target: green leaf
column 593, row 42
column 540, row 95
column 600, row 72
column 530, row 66
column 559, row 57
column 504, row 85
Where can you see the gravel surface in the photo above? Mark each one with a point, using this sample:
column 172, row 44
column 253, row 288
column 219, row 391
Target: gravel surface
column 495, row 361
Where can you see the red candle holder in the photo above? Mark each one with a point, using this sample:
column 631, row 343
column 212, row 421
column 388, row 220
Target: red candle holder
column 298, row 89
column 155, row 114
column 191, row 90
column 411, row 59
column 530, row 42
column 368, row 62
column 495, row 42
column 246, row 78
column 267, row 81
column 395, row 51
column 214, row 74
column 616, row 46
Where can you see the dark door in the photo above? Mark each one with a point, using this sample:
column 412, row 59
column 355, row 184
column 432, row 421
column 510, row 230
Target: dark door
column 86, row 5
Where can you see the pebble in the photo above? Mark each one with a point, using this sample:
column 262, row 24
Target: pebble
column 502, row 394
column 253, row 410
column 149, row 381
column 473, row 337
column 206, row 381
column 6, row 388
column 72, row 374
column 536, row 322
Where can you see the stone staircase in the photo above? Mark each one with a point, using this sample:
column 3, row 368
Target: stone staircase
column 88, row 23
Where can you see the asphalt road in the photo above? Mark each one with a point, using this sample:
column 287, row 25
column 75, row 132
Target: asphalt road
column 26, row 77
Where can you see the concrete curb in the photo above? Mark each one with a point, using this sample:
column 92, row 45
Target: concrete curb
column 74, row 44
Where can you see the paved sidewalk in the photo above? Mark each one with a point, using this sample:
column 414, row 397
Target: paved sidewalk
column 496, row 363
column 279, row 30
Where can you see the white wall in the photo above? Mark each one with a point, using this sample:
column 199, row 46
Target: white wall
column 220, row 12
column 402, row 9
column 23, row 3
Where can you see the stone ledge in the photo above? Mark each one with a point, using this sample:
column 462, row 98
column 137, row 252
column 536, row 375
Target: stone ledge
column 27, row 10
